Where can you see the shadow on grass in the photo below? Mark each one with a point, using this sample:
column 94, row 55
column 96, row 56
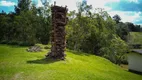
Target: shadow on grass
column 42, row 61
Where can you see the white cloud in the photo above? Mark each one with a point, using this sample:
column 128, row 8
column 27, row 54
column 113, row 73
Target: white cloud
column 71, row 4
column 100, row 3
column 95, row 3
column 39, row 4
column 135, row 1
column 7, row 3
column 126, row 16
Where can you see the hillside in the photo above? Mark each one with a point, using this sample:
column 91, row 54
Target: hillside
column 18, row 64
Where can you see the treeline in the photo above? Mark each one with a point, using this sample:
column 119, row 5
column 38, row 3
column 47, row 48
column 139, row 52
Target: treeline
column 134, row 28
column 131, row 27
column 87, row 31
column 27, row 25
column 96, row 32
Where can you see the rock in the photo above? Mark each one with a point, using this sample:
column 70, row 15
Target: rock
column 34, row 49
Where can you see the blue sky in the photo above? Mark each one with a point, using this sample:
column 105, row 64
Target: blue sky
column 129, row 10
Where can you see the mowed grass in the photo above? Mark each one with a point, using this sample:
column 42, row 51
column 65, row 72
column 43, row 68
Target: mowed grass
column 18, row 64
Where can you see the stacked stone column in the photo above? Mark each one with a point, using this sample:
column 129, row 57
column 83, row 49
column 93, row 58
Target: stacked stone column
column 58, row 42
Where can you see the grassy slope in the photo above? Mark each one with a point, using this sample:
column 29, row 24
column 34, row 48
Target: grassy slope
column 17, row 64
column 136, row 37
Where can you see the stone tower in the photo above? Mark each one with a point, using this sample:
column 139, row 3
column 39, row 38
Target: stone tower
column 58, row 41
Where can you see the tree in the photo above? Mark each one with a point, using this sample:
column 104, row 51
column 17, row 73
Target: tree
column 44, row 29
column 23, row 5
column 94, row 33
column 122, row 31
column 78, row 25
column 3, row 24
column 116, row 50
column 27, row 25
column 117, row 18
column 131, row 26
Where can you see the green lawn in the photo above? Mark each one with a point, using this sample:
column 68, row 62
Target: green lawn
column 17, row 64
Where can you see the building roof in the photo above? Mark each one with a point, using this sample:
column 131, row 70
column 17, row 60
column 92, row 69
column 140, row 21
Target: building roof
column 137, row 51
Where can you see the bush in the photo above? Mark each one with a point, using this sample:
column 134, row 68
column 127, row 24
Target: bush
column 44, row 41
column 46, row 47
column 116, row 51
column 136, row 46
column 13, row 42
column 4, row 42
column 26, row 44
column 124, row 60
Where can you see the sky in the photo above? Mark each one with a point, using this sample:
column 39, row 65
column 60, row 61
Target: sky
column 128, row 10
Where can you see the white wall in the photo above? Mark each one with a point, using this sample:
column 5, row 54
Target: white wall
column 135, row 61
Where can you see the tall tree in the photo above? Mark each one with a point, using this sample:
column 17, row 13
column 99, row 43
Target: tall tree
column 94, row 33
column 131, row 26
column 122, row 31
column 43, row 32
column 117, row 18
column 23, row 5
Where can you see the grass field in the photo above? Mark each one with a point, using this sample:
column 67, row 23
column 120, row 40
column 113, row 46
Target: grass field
column 18, row 64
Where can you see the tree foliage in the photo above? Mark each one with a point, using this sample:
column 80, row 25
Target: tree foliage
column 117, row 18
column 95, row 33
column 134, row 28
column 26, row 26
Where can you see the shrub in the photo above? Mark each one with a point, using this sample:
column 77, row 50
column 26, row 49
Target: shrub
column 46, row 47
column 136, row 46
column 124, row 60
column 26, row 44
column 13, row 42
column 116, row 51
column 4, row 42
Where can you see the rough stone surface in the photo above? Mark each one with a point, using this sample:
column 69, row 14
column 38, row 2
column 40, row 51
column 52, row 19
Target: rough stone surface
column 58, row 42
column 34, row 49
